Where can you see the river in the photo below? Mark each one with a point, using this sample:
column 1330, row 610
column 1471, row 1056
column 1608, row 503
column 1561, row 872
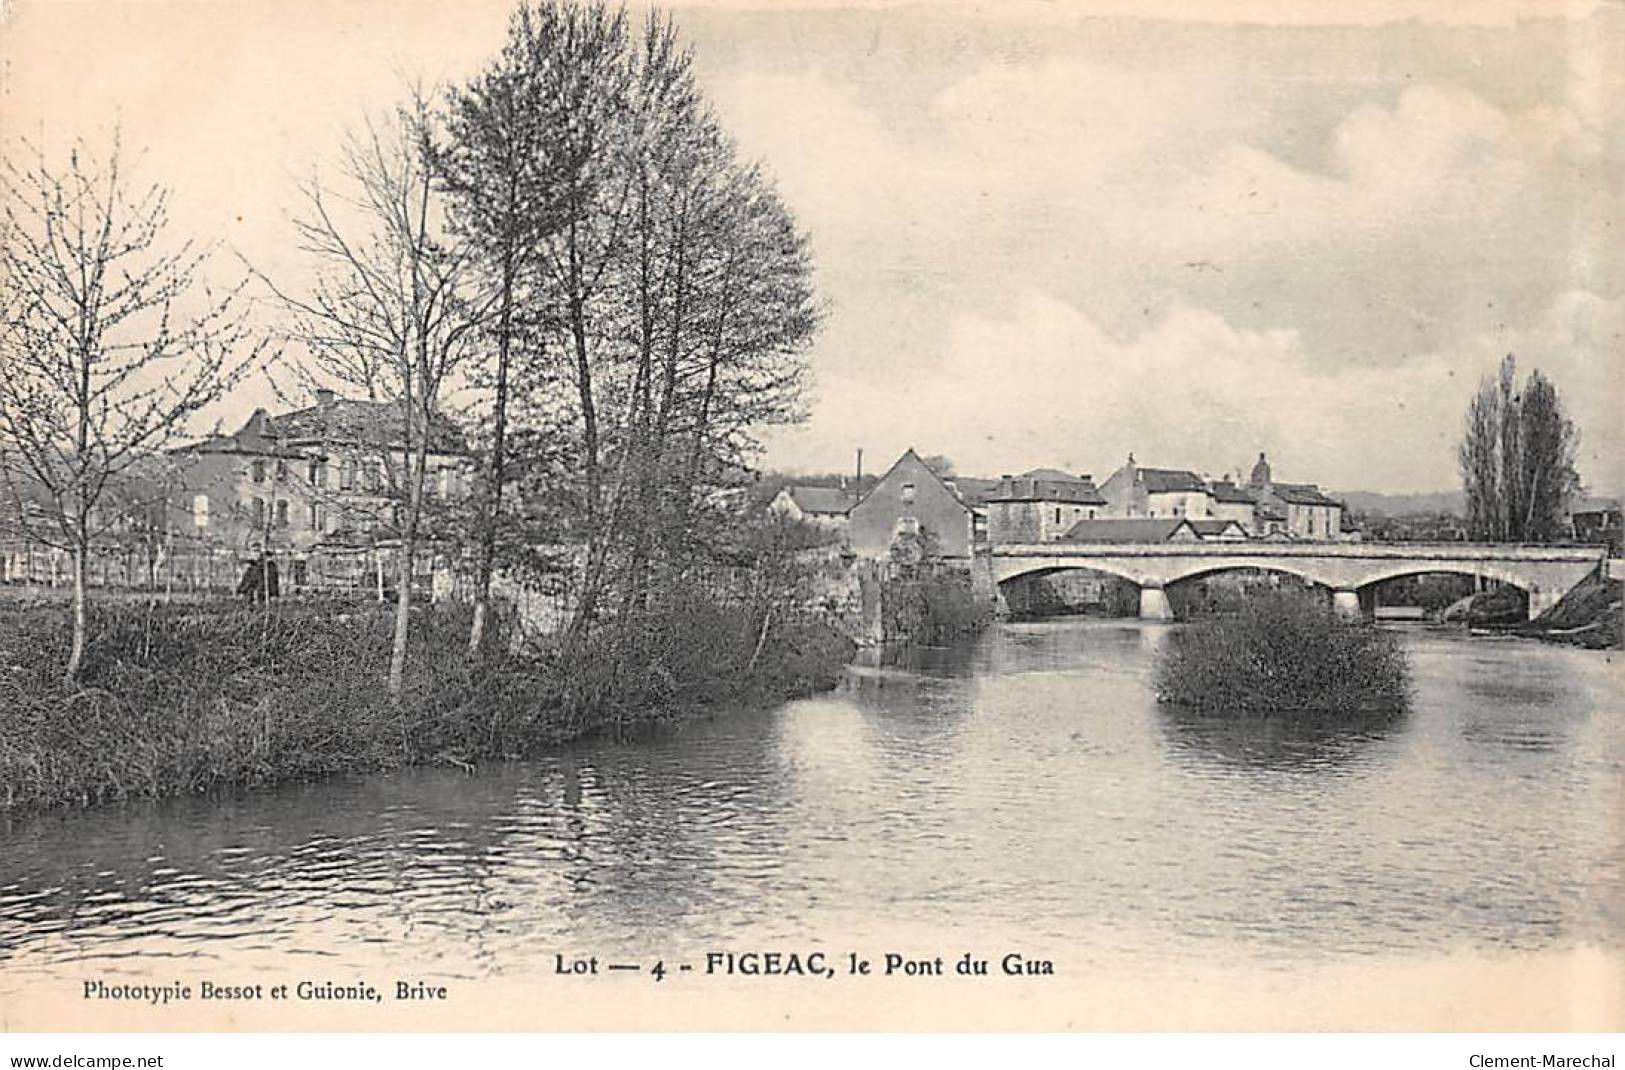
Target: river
column 1024, row 784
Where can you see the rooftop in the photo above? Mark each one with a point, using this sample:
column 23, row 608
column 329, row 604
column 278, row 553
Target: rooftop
column 1127, row 529
column 824, row 501
column 1226, row 491
column 1302, row 494
column 1047, row 485
column 1161, row 480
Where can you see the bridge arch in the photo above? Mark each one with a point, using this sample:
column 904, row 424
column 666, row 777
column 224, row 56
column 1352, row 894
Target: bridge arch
column 1041, row 568
column 1487, row 571
column 1280, row 568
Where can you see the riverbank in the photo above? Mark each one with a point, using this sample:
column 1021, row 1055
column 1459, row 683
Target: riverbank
column 1589, row 616
column 180, row 700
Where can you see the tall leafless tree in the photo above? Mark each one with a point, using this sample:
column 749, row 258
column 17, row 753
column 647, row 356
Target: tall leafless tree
column 1517, row 459
column 394, row 309
column 110, row 345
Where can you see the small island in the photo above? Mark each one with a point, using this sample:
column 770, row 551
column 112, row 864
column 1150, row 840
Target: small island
column 1284, row 653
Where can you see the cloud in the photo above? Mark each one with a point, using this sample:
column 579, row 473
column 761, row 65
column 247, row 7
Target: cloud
column 1074, row 238
column 1043, row 384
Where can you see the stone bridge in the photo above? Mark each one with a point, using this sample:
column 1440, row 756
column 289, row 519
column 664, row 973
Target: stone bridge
column 1545, row 573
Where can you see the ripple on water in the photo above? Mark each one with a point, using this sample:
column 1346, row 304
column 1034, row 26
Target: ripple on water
column 1027, row 781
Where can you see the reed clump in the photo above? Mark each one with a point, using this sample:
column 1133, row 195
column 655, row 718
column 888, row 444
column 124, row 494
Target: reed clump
column 1283, row 653
column 177, row 700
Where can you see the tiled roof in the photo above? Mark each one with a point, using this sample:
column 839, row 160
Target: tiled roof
column 828, row 501
column 1208, row 528
column 1158, row 480
column 1047, row 485
column 1302, row 494
column 373, row 423
column 250, row 439
column 1126, row 529
column 1226, row 491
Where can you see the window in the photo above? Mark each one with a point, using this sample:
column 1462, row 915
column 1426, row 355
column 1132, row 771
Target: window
column 316, row 476
column 347, row 476
column 200, row 510
column 315, row 517
column 259, row 512
column 908, row 493
column 371, row 477
column 282, row 514
column 1057, row 515
column 1091, row 514
column 281, row 471
column 259, row 471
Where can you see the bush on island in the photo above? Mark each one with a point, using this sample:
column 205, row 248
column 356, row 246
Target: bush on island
column 1283, row 653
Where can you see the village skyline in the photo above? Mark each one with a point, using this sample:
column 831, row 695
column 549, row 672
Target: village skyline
column 1044, row 239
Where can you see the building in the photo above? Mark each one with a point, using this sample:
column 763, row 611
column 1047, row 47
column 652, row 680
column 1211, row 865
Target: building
column 912, row 500
column 1136, row 491
column 1230, row 502
column 1301, row 510
column 1040, row 505
column 320, row 485
column 824, row 507
column 1119, row 529
column 1596, row 520
column 1220, row 530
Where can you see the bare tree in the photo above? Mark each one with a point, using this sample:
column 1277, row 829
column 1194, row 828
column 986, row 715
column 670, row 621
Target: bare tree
column 514, row 158
column 393, row 311
column 109, row 346
column 1517, row 459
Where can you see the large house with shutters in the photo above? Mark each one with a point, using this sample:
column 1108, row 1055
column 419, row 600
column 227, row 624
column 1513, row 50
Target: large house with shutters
column 1137, row 491
column 319, row 486
column 1040, row 505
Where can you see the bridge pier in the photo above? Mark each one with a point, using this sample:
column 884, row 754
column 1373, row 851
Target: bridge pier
column 1154, row 603
column 1542, row 599
column 1346, row 603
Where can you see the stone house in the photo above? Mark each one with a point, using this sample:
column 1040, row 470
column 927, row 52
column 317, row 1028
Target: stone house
column 910, row 500
column 1302, row 509
column 319, row 485
column 1136, row 491
column 824, row 507
column 1040, row 505
column 1230, row 502
column 1596, row 520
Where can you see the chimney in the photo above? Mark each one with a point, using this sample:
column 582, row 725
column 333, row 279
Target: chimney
column 324, row 398
column 859, row 485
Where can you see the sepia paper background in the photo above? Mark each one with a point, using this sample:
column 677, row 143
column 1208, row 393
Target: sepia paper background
column 1028, row 203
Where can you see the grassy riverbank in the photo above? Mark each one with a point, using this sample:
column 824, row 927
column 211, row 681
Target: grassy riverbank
column 179, row 700
column 1283, row 654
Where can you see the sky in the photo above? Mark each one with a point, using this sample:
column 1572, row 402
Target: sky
column 1046, row 234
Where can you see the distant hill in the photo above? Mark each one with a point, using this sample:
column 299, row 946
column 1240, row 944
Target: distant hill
column 1372, row 503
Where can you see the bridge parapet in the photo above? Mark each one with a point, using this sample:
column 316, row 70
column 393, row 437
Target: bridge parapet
column 1545, row 572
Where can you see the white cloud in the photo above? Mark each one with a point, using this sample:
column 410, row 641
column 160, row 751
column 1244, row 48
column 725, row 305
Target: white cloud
column 1042, row 383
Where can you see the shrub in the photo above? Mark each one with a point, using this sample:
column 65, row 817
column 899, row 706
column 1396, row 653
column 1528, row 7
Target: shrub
column 1284, row 653
column 178, row 700
column 931, row 609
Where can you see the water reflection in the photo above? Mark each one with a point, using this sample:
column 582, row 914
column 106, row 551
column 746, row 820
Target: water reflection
column 1288, row 743
column 1026, row 780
